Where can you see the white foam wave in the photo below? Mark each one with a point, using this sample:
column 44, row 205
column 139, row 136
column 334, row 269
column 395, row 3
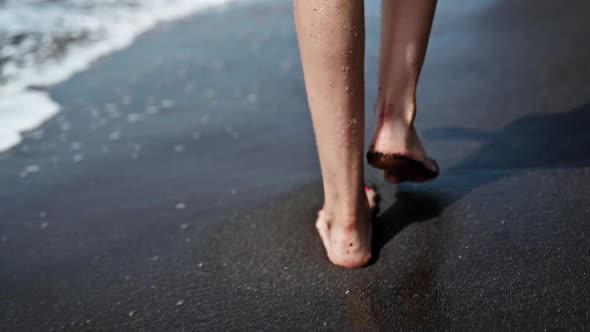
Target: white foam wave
column 21, row 112
column 46, row 42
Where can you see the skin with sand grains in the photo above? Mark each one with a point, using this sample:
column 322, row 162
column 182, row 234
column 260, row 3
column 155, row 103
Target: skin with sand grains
column 331, row 40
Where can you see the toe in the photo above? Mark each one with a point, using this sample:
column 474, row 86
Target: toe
column 372, row 196
column 431, row 165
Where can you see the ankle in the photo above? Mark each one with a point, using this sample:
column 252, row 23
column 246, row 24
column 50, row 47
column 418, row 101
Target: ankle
column 397, row 106
column 346, row 216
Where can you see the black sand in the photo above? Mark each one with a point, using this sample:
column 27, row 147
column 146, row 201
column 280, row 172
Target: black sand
column 200, row 217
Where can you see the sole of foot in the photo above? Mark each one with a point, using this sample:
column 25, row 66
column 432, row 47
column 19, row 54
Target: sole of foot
column 398, row 168
column 398, row 151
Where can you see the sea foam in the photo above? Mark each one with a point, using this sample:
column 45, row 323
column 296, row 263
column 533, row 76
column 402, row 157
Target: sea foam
column 46, row 42
column 23, row 111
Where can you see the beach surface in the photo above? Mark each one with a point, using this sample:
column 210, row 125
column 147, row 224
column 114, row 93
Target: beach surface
column 177, row 189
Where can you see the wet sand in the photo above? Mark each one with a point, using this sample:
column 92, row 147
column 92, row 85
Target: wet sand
column 178, row 188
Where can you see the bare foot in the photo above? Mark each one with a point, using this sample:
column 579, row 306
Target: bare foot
column 348, row 239
column 397, row 150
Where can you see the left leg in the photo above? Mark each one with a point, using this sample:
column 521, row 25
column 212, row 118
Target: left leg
column 331, row 43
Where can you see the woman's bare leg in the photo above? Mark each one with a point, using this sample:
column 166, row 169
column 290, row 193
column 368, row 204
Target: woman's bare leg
column 396, row 147
column 331, row 42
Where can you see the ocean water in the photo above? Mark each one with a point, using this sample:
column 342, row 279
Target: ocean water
column 44, row 42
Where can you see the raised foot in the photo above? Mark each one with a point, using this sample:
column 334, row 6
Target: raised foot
column 398, row 151
column 348, row 242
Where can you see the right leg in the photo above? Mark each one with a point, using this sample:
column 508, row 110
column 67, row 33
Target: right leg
column 331, row 42
column 396, row 147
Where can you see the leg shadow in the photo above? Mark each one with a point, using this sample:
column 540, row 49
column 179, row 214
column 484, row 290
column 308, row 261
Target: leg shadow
column 409, row 207
column 559, row 140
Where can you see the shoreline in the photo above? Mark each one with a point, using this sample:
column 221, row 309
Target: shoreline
column 19, row 95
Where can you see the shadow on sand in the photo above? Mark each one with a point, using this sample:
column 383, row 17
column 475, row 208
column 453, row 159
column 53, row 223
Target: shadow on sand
column 539, row 141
